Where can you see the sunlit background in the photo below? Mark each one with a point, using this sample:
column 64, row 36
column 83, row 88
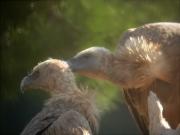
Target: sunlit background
column 32, row 31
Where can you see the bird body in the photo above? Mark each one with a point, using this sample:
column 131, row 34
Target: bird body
column 63, row 115
column 146, row 58
column 156, row 54
column 69, row 111
column 153, row 50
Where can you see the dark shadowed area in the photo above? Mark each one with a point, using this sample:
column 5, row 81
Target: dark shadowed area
column 32, row 31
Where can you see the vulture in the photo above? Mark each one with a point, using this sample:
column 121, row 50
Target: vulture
column 158, row 124
column 69, row 111
column 146, row 58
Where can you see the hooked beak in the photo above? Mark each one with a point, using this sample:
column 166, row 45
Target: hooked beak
column 25, row 83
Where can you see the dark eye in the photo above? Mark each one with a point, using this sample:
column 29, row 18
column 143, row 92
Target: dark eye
column 86, row 56
column 35, row 74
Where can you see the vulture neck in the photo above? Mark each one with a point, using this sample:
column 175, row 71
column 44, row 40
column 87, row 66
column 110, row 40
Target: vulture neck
column 110, row 70
column 64, row 89
column 127, row 74
column 119, row 71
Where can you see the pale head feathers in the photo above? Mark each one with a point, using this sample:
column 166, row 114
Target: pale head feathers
column 52, row 75
column 139, row 62
column 62, row 64
column 139, row 50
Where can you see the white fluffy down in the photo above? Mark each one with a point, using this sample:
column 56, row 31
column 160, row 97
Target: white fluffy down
column 157, row 123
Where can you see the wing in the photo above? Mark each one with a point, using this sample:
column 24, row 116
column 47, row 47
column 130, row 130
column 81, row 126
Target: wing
column 158, row 125
column 57, row 118
column 169, row 96
column 44, row 119
column 70, row 123
column 166, row 35
column 133, row 99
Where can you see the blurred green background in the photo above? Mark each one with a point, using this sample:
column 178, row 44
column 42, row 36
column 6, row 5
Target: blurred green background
column 32, row 31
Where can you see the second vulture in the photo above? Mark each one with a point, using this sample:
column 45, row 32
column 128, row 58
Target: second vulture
column 146, row 58
column 69, row 111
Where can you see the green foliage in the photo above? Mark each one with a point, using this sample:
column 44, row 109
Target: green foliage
column 38, row 30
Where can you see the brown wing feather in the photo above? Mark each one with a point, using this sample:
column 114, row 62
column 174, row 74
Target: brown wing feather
column 132, row 99
column 69, row 123
column 166, row 35
column 169, row 95
column 43, row 119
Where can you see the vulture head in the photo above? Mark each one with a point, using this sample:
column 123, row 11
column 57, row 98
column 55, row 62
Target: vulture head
column 51, row 75
column 91, row 62
column 123, row 69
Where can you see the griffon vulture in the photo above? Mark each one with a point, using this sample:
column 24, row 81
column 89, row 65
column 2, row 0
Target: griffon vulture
column 69, row 111
column 157, row 123
column 147, row 57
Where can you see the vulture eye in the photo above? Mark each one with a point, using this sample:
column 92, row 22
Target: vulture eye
column 35, row 74
column 86, row 56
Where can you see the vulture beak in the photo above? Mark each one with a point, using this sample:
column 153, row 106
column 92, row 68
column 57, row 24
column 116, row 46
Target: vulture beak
column 25, row 83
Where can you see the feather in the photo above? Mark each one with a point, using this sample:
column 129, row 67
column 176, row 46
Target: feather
column 69, row 111
column 146, row 58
